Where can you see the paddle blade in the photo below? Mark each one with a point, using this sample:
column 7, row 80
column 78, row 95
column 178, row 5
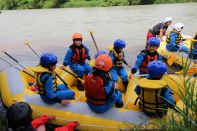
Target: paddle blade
column 171, row 59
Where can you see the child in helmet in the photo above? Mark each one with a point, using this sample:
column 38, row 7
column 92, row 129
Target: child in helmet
column 193, row 47
column 146, row 56
column 46, row 79
column 153, row 91
column 99, row 88
column 76, row 56
column 19, row 117
column 175, row 38
column 159, row 29
column 118, row 58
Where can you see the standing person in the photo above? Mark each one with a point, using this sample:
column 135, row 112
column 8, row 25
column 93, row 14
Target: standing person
column 76, row 57
column 154, row 95
column 46, row 81
column 19, row 117
column 159, row 30
column 99, row 88
column 175, row 38
column 146, row 56
column 118, row 58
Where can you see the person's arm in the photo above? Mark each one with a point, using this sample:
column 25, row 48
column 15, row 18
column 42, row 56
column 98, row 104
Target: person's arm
column 138, row 63
column 67, row 58
column 69, row 127
column 87, row 53
column 161, row 33
column 173, row 39
column 49, row 89
column 112, row 56
column 169, row 97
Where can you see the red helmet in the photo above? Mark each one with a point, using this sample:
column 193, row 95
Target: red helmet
column 77, row 36
column 103, row 62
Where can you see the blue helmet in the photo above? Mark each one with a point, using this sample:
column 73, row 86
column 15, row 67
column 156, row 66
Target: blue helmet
column 102, row 52
column 154, row 42
column 156, row 68
column 119, row 43
column 48, row 59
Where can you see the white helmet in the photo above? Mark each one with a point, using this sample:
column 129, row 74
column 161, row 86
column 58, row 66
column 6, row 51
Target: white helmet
column 178, row 26
column 167, row 19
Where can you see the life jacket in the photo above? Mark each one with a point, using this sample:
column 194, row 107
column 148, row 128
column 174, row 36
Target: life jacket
column 147, row 58
column 150, row 98
column 178, row 39
column 95, row 90
column 118, row 61
column 79, row 54
column 39, row 72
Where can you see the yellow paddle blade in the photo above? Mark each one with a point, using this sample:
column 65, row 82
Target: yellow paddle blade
column 171, row 59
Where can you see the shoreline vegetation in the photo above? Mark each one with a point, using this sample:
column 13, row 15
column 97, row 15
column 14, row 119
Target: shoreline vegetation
column 39, row 4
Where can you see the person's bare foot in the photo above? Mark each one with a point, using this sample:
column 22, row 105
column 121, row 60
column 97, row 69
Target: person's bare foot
column 65, row 102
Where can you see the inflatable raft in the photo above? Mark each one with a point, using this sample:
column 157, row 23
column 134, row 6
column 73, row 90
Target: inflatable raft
column 14, row 86
column 181, row 57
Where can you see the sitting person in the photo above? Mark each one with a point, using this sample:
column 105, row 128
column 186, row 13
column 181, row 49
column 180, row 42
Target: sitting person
column 99, row 88
column 118, row 58
column 175, row 38
column 19, row 117
column 154, row 95
column 46, row 80
column 76, row 57
column 193, row 48
column 146, row 56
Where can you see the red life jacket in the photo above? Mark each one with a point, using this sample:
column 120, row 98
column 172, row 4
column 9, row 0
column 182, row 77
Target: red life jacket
column 79, row 54
column 147, row 59
column 95, row 90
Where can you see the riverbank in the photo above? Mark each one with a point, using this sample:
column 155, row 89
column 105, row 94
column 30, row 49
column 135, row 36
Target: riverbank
column 38, row 4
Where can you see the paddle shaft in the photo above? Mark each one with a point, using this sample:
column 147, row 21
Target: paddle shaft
column 73, row 75
column 27, row 43
column 94, row 41
column 17, row 67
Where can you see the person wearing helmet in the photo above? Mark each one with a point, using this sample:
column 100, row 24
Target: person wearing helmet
column 19, row 117
column 76, row 57
column 193, row 48
column 99, row 88
column 154, row 95
column 159, row 29
column 175, row 38
column 146, row 56
column 118, row 58
column 46, row 81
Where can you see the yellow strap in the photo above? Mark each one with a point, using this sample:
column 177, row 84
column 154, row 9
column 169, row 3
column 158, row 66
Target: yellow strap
column 151, row 84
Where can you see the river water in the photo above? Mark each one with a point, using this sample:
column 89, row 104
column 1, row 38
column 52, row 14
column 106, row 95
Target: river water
column 51, row 29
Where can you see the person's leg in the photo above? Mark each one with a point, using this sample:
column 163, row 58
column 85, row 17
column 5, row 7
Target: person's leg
column 78, row 69
column 123, row 75
column 65, row 94
column 88, row 68
column 172, row 48
column 114, row 74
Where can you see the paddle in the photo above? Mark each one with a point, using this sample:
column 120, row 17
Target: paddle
column 27, row 44
column 17, row 67
column 172, row 57
column 74, row 75
column 92, row 36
